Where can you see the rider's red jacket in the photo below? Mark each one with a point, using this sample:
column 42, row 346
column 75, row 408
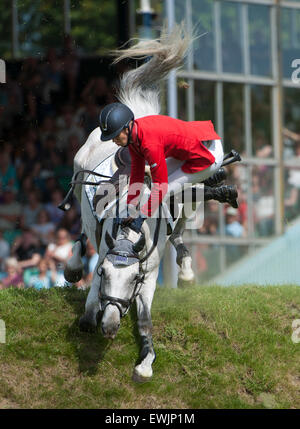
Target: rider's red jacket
column 157, row 137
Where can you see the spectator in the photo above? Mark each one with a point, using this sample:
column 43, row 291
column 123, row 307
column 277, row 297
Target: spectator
column 50, row 185
column 27, row 185
column 67, row 127
column 90, row 263
column 47, row 129
column 234, row 229
column 98, row 89
column 60, row 252
column 27, row 249
column 29, row 159
column 291, row 202
column 44, row 228
column 263, row 148
column 265, row 212
column 4, row 251
column 90, row 116
column 8, row 175
column 71, row 222
column 54, row 212
column 13, row 277
column 45, row 277
column 31, row 209
column 52, row 76
column 10, row 210
column 233, row 226
column 243, row 209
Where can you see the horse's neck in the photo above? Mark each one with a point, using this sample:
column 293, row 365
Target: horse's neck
column 93, row 151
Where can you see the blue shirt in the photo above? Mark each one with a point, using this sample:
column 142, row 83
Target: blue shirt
column 235, row 229
column 40, row 283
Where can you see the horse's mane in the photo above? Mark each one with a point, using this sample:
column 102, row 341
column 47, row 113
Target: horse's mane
column 139, row 88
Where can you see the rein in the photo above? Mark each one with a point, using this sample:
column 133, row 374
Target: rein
column 84, row 182
column 67, row 201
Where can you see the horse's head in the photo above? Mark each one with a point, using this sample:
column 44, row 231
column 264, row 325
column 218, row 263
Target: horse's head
column 120, row 278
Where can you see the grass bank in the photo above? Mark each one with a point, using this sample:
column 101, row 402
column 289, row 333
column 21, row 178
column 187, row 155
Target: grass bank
column 216, row 348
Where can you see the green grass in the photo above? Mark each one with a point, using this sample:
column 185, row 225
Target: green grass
column 216, row 348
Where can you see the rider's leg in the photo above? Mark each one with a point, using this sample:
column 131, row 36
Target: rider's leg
column 222, row 193
column 178, row 176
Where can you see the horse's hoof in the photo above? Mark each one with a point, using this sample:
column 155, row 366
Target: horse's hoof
column 86, row 325
column 73, row 276
column 137, row 377
column 184, row 284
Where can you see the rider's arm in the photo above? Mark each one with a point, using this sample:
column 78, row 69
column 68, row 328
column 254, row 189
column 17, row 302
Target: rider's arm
column 137, row 174
column 159, row 172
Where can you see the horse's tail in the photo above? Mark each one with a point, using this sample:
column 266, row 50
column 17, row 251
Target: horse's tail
column 139, row 88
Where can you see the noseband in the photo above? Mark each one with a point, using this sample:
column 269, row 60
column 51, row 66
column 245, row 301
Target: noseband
column 119, row 302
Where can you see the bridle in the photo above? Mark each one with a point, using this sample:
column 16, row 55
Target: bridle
column 106, row 300
column 119, row 302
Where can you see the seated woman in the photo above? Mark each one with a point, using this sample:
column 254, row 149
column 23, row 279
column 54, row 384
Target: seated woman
column 59, row 252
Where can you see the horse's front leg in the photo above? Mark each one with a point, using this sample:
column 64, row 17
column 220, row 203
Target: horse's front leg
column 88, row 322
column 143, row 371
column 74, row 268
column 186, row 274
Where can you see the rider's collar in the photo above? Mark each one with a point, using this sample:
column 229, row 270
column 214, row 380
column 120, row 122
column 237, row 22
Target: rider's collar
column 135, row 140
column 134, row 133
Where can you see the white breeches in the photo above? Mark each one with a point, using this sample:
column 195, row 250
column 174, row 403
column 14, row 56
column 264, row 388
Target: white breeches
column 177, row 177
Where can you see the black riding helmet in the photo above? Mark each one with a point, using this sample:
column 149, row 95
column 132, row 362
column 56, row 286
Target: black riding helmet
column 113, row 119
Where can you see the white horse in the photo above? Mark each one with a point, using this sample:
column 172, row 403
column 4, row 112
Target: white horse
column 128, row 264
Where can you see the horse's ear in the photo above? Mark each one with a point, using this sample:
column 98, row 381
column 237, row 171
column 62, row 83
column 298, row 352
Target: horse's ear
column 111, row 242
column 139, row 245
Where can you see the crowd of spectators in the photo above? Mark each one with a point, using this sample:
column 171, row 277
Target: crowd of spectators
column 46, row 115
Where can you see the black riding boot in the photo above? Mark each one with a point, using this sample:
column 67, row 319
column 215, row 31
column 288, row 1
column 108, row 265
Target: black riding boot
column 216, row 178
column 223, row 194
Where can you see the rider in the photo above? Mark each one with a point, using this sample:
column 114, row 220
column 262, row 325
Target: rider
column 193, row 149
